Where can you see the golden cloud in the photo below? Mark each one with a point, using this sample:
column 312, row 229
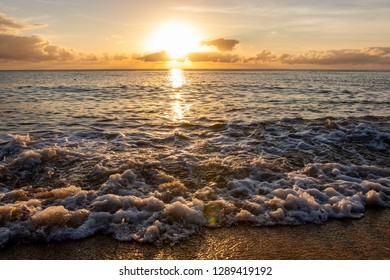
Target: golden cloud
column 154, row 57
column 222, row 44
column 213, row 57
column 371, row 55
column 11, row 26
column 32, row 48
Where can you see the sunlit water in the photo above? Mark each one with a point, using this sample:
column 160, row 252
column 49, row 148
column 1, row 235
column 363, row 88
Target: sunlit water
column 156, row 156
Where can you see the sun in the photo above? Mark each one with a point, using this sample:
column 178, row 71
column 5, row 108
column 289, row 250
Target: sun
column 176, row 38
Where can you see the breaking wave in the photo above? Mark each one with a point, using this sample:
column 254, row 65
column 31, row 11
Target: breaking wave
column 165, row 187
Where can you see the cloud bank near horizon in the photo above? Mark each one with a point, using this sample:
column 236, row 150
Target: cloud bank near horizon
column 366, row 56
column 354, row 57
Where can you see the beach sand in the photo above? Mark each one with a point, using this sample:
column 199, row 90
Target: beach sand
column 365, row 238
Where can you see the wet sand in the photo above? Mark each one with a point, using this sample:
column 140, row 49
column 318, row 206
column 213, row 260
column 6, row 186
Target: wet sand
column 365, row 238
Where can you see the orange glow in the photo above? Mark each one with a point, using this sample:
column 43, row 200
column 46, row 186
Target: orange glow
column 176, row 38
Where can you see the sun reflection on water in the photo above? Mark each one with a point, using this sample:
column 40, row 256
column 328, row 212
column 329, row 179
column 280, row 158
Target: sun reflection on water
column 178, row 106
column 177, row 78
column 177, row 110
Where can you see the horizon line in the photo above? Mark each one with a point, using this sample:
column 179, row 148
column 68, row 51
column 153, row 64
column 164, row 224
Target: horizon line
column 202, row 69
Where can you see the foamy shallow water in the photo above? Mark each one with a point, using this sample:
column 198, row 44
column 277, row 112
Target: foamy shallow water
column 157, row 156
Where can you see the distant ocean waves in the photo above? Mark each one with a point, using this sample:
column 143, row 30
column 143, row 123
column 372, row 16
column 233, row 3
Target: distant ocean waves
column 165, row 187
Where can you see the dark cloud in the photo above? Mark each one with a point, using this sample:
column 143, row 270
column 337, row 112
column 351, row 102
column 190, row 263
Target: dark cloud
column 32, row 48
column 213, row 57
column 154, row 57
column 222, row 44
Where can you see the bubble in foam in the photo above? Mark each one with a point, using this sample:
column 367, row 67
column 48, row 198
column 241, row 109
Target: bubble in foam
column 152, row 234
column 376, row 199
column 182, row 213
column 65, row 192
column 59, row 216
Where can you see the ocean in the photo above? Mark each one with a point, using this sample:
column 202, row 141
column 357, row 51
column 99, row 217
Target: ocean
column 158, row 156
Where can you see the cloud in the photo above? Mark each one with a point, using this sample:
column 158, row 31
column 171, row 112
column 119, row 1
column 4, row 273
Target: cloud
column 11, row 26
column 222, row 44
column 154, row 57
column 373, row 55
column 27, row 48
column 17, row 49
column 32, row 48
column 263, row 56
column 213, row 57
column 193, row 57
column 354, row 57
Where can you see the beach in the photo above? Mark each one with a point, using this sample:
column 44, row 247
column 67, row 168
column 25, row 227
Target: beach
column 346, row 239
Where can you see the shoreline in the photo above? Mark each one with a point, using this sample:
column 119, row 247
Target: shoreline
column 365, row 238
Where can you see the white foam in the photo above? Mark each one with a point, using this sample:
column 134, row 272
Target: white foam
column 59, row 216
column 377, row 199
column 245, row 216
column 152, row 234
column 288, row 173
column 278, row 214
column 65, row 192
column 184, row 214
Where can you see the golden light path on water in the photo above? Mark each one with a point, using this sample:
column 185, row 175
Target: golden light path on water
column 179, row 107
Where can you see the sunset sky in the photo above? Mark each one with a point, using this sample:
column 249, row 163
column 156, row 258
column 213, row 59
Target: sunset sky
column 93, row 34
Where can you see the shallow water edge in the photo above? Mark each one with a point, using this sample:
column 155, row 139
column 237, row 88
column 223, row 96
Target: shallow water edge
column 364, row 238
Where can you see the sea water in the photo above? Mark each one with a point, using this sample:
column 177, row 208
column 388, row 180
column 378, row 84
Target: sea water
column 156, row 156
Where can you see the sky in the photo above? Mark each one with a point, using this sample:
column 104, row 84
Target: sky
column 231, row 34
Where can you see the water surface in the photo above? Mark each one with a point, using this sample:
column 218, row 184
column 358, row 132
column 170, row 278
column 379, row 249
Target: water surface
column 156, row 156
